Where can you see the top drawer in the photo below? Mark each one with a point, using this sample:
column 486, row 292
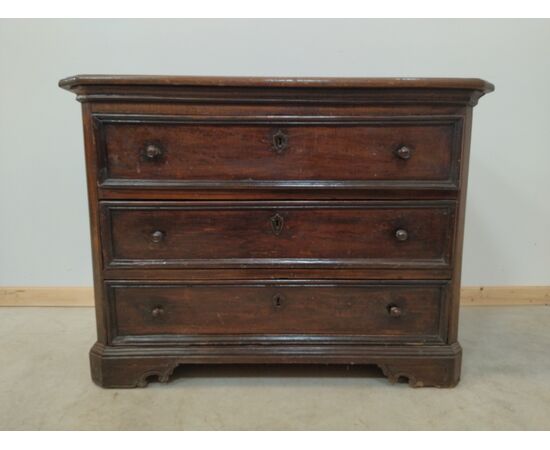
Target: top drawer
column 266, row 152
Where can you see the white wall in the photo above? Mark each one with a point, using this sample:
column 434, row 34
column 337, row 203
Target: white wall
column 44, row 237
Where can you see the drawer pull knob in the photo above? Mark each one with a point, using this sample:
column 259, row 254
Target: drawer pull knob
column 157, row 311
column 157, row 236
column 153, row 152
column 394, row 311
column 403, row 152
column 277, row 224
column 401, row 235
column 280, row 141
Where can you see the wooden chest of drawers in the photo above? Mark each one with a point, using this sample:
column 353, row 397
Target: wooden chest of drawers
column 256, row 220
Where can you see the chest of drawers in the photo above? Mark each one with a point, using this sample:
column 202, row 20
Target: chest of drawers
column 276, row 220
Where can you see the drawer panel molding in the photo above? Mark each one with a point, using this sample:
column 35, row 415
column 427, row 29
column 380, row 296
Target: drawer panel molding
column 277, row 234
column 175, row 152
column 266, row 312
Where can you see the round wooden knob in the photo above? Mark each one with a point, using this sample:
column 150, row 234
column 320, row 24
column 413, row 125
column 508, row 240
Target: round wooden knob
column 401, row 235
column 153, row 152
column 157, row 311
column 395, row 311
column 403, row 152
column 157, row 236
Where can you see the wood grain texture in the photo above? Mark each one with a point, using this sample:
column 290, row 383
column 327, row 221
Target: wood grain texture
column 193, row 151
column 280, row 309
column 220, row 90
column 217, row 234
column 505, row 295
column 61, row 296
column 75, row 81
column 422, row 366
column 239, row 220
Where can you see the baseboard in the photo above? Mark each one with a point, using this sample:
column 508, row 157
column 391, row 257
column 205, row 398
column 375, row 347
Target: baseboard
column 504, row 295
column 83, row 296
column 46, row 296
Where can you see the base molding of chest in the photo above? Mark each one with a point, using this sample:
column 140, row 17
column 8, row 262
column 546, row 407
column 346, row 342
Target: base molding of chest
column 423, row 365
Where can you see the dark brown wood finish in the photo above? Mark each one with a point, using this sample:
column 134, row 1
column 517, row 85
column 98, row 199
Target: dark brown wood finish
column 287, row 234
column 284, row 311
column 255, row 152
column 276, row 220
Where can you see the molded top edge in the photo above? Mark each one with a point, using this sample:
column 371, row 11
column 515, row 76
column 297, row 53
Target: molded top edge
column 74, row 82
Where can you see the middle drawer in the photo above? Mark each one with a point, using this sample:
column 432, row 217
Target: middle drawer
column 279, row 233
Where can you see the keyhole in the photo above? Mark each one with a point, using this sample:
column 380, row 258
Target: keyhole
column 277, row 223
column 280, row 141
column 277, row 300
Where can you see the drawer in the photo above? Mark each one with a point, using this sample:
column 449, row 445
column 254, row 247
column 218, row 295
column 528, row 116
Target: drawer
column 282, row 233
column 176, row 152
column 411, row 311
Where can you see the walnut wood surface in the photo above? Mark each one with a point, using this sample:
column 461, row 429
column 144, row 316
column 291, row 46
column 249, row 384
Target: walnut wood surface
column 73, row 82
column 279, row 309
column 220, row 234
column 276, row 220
column 241, row 149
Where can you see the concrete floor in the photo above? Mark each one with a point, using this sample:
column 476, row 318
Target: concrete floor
column 45, row 384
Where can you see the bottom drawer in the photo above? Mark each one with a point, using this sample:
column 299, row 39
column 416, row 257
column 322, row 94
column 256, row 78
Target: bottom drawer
column 411, row 311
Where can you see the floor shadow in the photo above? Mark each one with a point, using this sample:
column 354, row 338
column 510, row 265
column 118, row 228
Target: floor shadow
column 275, row 371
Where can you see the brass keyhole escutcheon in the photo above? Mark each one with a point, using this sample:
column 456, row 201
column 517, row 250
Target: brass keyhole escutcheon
column 280, row 141
column 277, row 224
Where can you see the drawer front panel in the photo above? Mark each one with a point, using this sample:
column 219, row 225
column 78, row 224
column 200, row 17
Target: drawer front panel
column 399, row 310
column 220, row 234
column 308, row 152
